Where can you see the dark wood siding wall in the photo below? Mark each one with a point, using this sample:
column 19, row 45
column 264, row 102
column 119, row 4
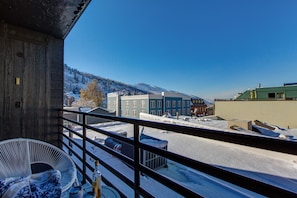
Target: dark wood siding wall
column 30, row 108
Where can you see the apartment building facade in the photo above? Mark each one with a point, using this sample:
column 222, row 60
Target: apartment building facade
column 166, row 102
column 198, row 107
column 275, row 105
column 286, row 92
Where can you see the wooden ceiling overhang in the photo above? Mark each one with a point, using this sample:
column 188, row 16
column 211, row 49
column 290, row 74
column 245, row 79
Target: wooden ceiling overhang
column 53, row 17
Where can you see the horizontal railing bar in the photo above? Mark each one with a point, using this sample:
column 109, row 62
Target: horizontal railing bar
column 111, row 134
column 79, row 169
column 107, row 149
column 144, row 193
column 114, row 171
column 111, row 169
column 107, row 133
column 88, row 179
column 73, row 152
column 240, row 180
column 169, row 183
column 72, row 141
column 77, row 133
column 123, row 178
column 105, row 165
column 72, row 121
column 124, row 139
column 267, row 143
column 209, row 170
column 247, row 183
column 115, row 187
column 72, row 131
column 113, row 152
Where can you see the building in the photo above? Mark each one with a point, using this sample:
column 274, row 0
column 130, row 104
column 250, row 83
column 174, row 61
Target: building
column 274, row 105
column 198, row 107
column 286, row 92
column 32, row 37
column 89, row 119
column 31, row 96
column 167, row 102
column 113, row 102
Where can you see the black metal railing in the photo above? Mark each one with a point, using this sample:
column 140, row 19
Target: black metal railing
column 271, row 144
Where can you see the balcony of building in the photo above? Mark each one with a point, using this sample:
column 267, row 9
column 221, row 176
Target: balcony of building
column 131, row 174
column 32, row 37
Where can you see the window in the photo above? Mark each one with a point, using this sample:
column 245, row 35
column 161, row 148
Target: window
column 153, row 112
column 179, row 103
column 159, row 112
column 280, row 96
column 134, row 113
column 173, row 112
column 174, row 103
column 159, row 104
column 134, row 103
column 168, row 105
column 143, row 104
column 153, row 104
column 127, row 103
column 271, row 95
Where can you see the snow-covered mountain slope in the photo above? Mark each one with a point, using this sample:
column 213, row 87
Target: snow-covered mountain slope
column 157, row 90
column 75, row 80
column 150, row 88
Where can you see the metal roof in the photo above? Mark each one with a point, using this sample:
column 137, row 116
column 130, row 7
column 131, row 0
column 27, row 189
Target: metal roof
column 53, row 17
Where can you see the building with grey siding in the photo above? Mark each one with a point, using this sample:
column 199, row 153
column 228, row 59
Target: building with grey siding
column 113, row 102
column 155, row 104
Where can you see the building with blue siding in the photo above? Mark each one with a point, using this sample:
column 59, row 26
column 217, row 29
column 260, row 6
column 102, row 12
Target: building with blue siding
column 155, row 104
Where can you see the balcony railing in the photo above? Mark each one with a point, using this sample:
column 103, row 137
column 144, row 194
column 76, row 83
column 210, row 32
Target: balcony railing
column 81, row 153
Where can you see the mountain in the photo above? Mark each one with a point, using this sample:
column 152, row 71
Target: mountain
column 157, row 90
column 150, row 88
column 75, row 80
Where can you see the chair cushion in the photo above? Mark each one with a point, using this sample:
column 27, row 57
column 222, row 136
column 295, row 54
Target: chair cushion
column 40, row 167
column 44, row 184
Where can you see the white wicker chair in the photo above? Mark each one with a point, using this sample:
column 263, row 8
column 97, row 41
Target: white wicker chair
column 17, row 156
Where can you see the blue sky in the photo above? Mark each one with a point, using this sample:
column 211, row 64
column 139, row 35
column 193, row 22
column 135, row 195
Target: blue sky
column 208, row 48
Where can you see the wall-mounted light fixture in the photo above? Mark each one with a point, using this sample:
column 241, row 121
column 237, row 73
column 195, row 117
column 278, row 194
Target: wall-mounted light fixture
column 17, row 81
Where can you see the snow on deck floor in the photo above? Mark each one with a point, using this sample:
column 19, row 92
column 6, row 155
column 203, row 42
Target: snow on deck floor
column 268, row 166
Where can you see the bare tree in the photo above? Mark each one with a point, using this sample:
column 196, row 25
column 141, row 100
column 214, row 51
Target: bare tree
column 92, row 95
